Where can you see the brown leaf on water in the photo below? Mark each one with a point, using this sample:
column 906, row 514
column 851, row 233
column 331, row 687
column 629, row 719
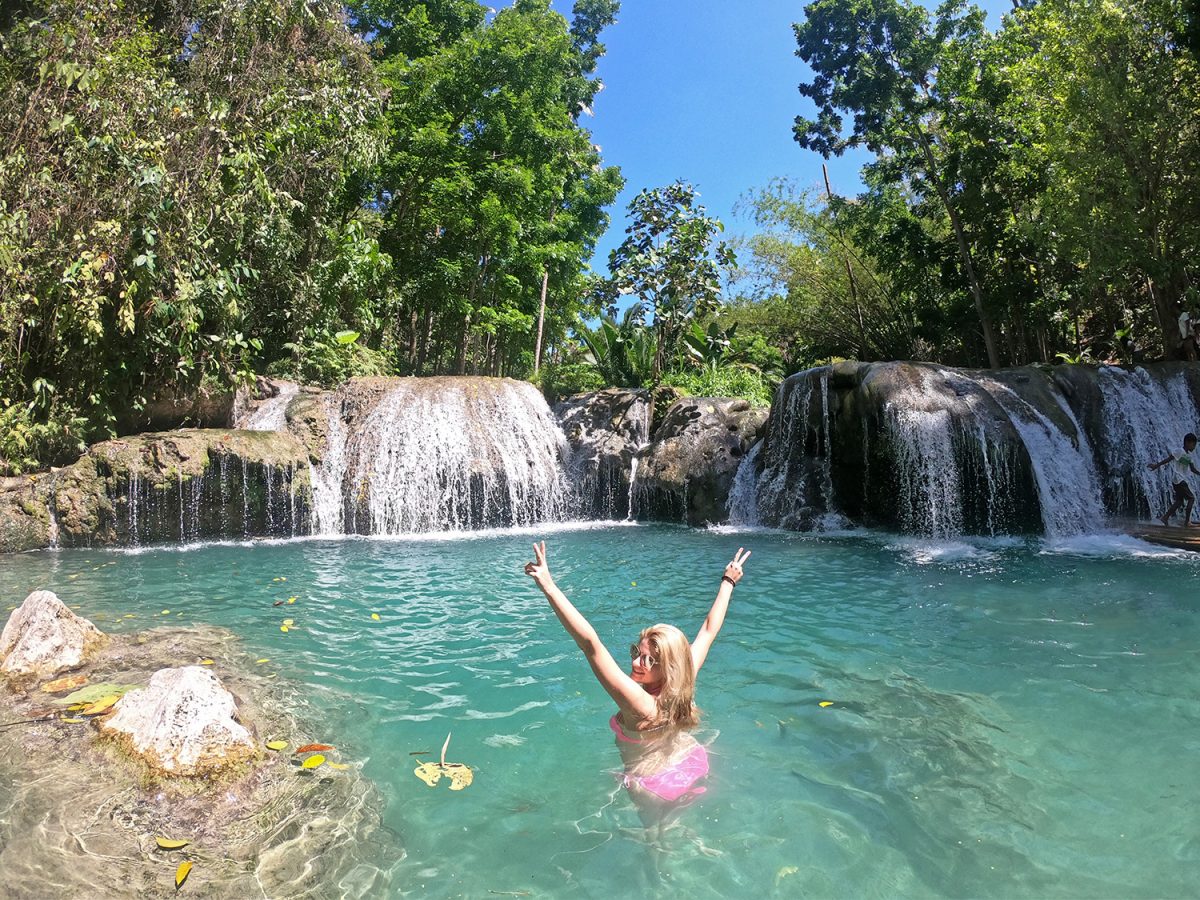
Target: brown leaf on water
column 313, row 748
column 67, row 683
column 181, row 874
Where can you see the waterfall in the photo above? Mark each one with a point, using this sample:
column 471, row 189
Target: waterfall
column 930, row 488
column 1067, row 483
column 271, row 413
column 329, row 476
column 1144, row 419
column 440, row 455
column 743, row 496
column 640, row 438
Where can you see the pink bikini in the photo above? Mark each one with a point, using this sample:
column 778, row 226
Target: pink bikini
column 676, row 781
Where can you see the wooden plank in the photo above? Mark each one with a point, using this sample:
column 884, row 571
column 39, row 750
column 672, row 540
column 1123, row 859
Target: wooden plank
column 1178, row 536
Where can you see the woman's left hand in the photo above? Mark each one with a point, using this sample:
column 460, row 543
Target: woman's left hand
column 733, row 571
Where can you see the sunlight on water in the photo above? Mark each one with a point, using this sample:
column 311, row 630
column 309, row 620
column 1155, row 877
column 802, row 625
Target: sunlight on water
column 1008, row 718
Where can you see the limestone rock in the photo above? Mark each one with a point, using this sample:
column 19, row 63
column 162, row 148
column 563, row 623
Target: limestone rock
column 604, row 430
column 43, row 638
column 183, row 722
column 687, row 471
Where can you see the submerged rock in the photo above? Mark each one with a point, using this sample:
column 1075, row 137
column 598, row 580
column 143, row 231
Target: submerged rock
column 80, row 808
column 687, row 471
column 182, row 723
column 43, row 637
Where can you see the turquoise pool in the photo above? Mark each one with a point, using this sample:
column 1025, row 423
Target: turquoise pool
column 1007, row 719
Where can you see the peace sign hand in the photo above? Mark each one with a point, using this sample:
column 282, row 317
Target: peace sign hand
column 733, row 571
column 539, row 569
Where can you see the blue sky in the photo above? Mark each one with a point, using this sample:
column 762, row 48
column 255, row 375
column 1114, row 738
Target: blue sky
column 706, row 91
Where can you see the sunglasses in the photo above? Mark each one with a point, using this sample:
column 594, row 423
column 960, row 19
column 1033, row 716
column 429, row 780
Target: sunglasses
column 635, row 653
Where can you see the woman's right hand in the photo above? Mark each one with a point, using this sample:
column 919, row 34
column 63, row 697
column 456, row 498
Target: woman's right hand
column 539, row 569
column 733, row 571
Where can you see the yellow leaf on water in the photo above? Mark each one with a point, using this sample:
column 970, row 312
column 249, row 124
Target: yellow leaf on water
column 206, row 662
column 169, row 844
column 784, row 873
column 430, row 773
column 375, row 616
column 182, row 873
column 633, row 584
column 101, row 705
column 291, row 599
column 276, row 745
column 263, row 660
column 165, row 612
column 129, row 616
column 460, row 776
column 289, row 622
column 339, row 766
column 283, row 628
column 71, row 720
column 313, row 761
column 825, row 703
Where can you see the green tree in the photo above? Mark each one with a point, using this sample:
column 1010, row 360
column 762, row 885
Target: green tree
column 670, row 263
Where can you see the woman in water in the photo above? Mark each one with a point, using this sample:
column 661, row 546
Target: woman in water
column 656, row 707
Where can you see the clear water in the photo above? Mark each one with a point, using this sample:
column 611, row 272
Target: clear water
column 1008, row 719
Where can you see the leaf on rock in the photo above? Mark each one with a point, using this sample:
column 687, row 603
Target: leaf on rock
column 313, row 761
column 64, row 684
column 276, row 745
column 341, row 767
column 101, row 705
column 312, row 748
column 206, row 662
column 71, row 720
column 94, row 692
column 170, row 844
column 181, row 874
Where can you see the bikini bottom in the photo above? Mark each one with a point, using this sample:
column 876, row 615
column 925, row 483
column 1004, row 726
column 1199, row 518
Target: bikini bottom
column 677, row 780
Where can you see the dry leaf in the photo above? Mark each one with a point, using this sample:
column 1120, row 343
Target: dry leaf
column 311, row 748
column 375, row 616
column 461, row 776
column 182, row 873
column 825, row 703
column 206, row 662
column 339, row 766
column 430, row 773
column 262, row 660
column 64, row 684
column 289, row 622
column 313, row 761
column 276, row 745
column 169, row 844
column 101, row 705
column 283, row 628
column 71, row 720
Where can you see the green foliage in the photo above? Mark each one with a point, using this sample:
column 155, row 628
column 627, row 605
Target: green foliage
column 671, row 263
column 559, row 379
column 623, row 354
column 173, row 187
column 722, row 381
column 31, row 439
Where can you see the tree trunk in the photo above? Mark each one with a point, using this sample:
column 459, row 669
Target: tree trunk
column 460, row 365
column 964, row 250
column 1168, row 324
column 537, row 347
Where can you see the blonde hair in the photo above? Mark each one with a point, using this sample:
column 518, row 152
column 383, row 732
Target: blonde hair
column 676, row 701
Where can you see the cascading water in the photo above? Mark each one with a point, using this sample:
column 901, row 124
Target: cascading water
column 1067, row 483
column 930, row 491
column 743, row 496
column 441, row 455
column 271, row 413
column 1145, row 418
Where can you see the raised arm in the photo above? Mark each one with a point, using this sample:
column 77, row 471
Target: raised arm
column 1159, row 465
column 716, row 615
column 628, row 694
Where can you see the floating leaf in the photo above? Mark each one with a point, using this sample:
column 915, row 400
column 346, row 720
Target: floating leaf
column 313, row 761
column 129, row 616
column 71, row 720
column 341, row 767
column 825, row 703
column 430, row 773
column 289, row 622
column 181, row 874
column 263, row 660
column 312, row 748
column 277, row 603
column 283, row 628
column 784, row 873
column 633, row 584
column 169, row 844
column 375, row 616
column 165, row 612
column 461, row 776
column 64, row 684
column 101, row 705
column 291, row 600
column 206, row 662
column 276, row 745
